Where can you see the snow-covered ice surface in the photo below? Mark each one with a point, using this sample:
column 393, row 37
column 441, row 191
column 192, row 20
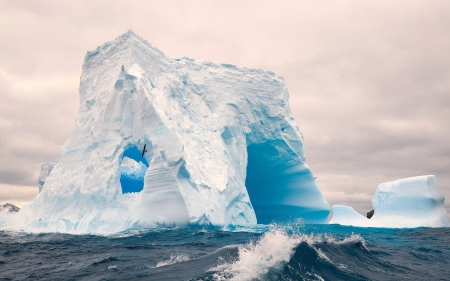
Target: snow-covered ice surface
column 223, row 149
column 410, row 202
column 346, row 215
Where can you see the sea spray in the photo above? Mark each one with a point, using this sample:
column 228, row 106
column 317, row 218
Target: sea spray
column 273, row 251
column 257, row 258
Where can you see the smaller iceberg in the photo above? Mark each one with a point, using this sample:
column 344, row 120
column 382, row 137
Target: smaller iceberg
column 410, row 202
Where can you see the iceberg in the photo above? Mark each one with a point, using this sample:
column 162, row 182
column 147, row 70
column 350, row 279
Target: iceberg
column 223, row 149
column 410, row 202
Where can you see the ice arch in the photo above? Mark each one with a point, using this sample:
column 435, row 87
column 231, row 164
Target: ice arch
column 280, row 186
column 132, row 169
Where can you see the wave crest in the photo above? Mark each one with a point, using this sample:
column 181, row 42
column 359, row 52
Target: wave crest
column 272, row 254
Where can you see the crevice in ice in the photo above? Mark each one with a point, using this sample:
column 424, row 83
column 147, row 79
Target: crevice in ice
column 133, row 168
column 230, row 142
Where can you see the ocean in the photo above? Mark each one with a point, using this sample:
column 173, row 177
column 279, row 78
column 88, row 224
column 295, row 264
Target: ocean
column 275, row 252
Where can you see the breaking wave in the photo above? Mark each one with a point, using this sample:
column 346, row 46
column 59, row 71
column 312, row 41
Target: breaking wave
column 278, row 255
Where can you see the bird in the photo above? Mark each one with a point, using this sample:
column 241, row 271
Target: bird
column 144, row 150
column 314, row 177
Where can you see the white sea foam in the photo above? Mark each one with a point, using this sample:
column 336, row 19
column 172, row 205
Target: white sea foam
column 316, row 276
column 354, row 238
column 256, row 258
column 323, row 256
column 172, row 260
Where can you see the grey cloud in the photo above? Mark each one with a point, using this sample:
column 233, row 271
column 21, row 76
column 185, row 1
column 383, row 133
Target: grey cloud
column 16, row 194
column 16, row 175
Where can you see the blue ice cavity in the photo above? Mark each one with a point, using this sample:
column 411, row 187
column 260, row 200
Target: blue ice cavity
column 132, row 170
column 280, row 187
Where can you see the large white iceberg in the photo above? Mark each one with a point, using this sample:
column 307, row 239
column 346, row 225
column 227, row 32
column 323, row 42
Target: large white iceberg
column 222, row 148
column 410, row 202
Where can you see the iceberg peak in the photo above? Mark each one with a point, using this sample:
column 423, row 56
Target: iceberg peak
column 127, row 39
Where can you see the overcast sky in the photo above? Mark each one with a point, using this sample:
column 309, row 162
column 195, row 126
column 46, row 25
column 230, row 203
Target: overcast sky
column 369, row 80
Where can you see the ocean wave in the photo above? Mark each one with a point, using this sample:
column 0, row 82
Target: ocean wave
column 281, row 253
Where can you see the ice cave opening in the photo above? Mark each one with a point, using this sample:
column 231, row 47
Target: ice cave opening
column 281, row 188
column 261, row 178
column 133, row 168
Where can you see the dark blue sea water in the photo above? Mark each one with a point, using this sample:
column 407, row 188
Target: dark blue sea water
column 292, row 252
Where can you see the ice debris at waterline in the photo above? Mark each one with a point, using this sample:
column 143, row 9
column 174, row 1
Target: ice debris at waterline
column 223, row 148
column 346, row 215
column 410, row 202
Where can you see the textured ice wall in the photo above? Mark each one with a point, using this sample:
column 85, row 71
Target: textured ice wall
column 202, row 124
column 45, row 171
